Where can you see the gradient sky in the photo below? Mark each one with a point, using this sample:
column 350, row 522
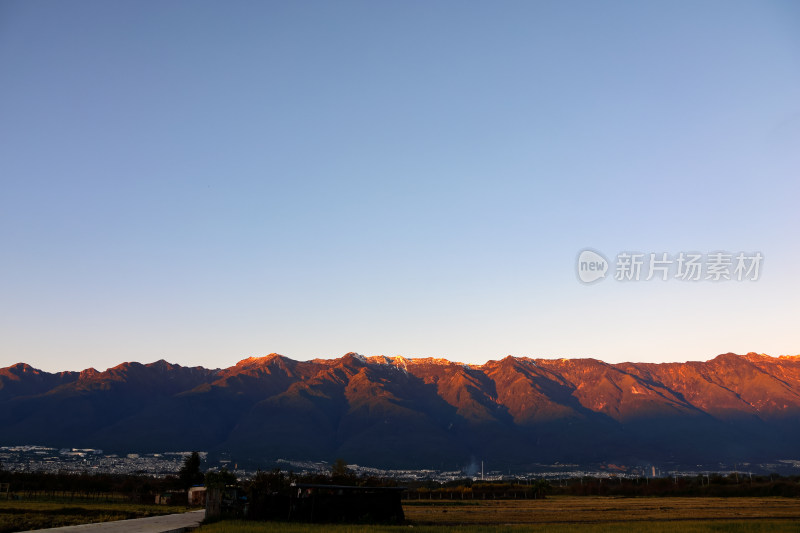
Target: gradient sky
column 208, row 181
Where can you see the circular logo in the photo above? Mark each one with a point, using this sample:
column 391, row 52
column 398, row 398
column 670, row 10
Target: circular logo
column 592, row 266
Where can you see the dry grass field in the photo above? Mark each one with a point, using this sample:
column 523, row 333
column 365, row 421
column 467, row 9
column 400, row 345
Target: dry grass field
column 748, row 526
column 566, row 515
column 589, row 510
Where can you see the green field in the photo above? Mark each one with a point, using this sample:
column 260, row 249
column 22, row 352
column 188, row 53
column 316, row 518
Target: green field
column 21, row 515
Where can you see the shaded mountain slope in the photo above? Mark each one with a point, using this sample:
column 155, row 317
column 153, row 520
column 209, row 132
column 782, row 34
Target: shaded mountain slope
column 398, row 412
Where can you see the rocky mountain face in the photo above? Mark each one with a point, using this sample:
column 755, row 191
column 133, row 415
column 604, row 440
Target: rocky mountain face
column 398, row 412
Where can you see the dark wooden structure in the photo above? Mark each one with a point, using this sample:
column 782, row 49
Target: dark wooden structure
column 344, row 503
column 309, row 502
column 226, row 502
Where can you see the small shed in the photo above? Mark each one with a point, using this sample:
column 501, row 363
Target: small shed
column 164, row 498
column 197, row 496
column 171, row 497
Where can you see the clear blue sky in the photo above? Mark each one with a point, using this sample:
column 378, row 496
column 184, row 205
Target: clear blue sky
column 207, row 181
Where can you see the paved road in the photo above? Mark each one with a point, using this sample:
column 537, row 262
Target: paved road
column 171, row 523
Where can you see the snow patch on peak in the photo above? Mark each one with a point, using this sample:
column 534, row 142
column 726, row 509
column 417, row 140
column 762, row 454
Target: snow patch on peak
column 400, row 363
column 264, row 359
column 358, row 356
column 383, row 360
column 433, row 361
column 397, row 362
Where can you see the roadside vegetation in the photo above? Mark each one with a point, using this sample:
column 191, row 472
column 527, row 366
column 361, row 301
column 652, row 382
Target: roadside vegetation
column 46, row 512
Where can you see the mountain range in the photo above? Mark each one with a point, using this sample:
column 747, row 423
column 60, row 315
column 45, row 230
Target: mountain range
column 394, row 412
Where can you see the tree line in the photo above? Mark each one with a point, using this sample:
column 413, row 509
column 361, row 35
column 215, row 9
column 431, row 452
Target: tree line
column 716, row 485
column 138, row 487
